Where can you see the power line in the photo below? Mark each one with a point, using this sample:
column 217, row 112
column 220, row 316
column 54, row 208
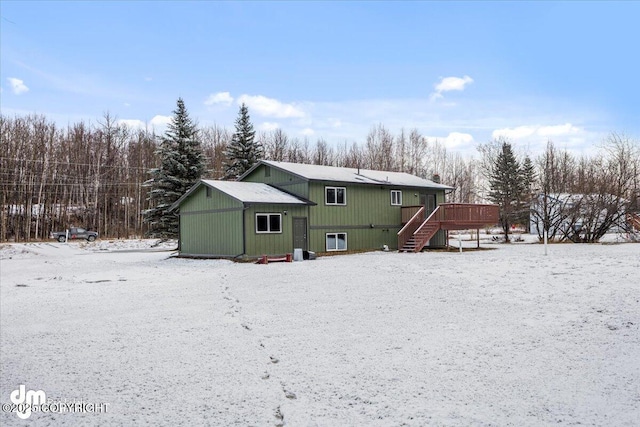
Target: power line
column 16, row 159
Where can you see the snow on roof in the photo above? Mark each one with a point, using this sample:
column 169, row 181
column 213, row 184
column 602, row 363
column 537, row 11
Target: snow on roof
column 254, row 192
column 352, row 175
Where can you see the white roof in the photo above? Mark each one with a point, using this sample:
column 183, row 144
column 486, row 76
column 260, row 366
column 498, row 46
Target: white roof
column 254, row 192
column 352, row 175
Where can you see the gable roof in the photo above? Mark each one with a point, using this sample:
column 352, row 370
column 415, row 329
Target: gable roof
column 254, row 192
column 350, row 175
column 246, row 192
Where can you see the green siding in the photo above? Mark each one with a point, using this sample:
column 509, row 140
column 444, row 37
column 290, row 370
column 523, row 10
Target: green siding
column 220, row 226
column 211, row 225
column 280, row 179
column 367, row 206
column 271, row 243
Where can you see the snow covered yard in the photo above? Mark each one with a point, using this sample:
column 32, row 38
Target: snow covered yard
column 496, row 337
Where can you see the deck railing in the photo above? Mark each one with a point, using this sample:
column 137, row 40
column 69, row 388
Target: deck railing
column 459, row 216
column 634, row 220
column 447, row 216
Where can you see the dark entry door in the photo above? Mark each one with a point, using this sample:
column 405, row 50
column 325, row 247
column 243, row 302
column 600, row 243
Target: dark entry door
column 429, row 203
column 300, row 233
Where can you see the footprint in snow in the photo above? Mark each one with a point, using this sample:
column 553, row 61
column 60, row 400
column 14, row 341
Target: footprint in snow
column 279, row 417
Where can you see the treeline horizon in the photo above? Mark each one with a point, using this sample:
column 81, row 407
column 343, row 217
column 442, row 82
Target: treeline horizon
column 93, row 175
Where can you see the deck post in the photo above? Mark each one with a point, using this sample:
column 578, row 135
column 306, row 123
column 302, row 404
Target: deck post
column 478, row 237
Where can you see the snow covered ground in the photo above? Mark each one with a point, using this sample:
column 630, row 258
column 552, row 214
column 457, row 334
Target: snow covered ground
column 505, row 336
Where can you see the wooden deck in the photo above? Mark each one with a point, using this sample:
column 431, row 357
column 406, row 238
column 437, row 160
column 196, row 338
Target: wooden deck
column 418, row 230
column 634, row 220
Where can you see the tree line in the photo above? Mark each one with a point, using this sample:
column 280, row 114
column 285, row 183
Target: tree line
column 107, row 177
column 565, row 197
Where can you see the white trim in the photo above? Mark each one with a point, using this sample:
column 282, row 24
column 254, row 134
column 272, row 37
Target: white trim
column 398, row 202
column 344, row 189
column 326, row 241
column 268, row 215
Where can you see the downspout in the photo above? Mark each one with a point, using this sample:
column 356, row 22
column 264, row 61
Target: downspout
column 244, row 229
column 179, row 232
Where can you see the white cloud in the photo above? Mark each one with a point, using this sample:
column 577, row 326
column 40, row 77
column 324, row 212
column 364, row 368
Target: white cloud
column 534, row 137
column 270, row 107
column 458, row 139
column 549, row 132
column 559, row 130
column 17, row 86
column 307, row 131
column 448, row 84
column 519, row 132
column 269, row 126
column 160, row 120
column 219, row 98
column 132, row 123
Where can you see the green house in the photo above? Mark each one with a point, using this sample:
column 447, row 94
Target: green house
column 228, row 219
column 276, row 207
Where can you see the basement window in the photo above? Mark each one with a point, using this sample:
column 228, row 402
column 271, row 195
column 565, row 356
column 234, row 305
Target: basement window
column 335, row 195
column 396, row 198
column 269, row 223
column 336, row 242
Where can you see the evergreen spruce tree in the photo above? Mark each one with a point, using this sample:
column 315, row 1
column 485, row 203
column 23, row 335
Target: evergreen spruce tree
column 528, row 176
column 243, row 151
column 507, row 188
column 182, row 163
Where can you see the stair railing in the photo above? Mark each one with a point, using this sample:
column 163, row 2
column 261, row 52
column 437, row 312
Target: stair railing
column 422, row 239
column 410, row 227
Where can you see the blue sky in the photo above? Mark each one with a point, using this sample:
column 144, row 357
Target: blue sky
column 462, row 72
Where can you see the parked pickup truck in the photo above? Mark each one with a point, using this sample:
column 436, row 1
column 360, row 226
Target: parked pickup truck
column 74, row 233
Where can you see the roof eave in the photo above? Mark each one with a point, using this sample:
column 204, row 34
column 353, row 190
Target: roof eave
column 177, row 203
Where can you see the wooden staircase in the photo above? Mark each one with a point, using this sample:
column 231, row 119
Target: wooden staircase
column 421, row 237
column 417, row 232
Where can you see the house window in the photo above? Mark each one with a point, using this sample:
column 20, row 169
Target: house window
column 267, row 171
column 269, row 223
column 208, row 192
column 336, row 242
column 335, row 195
column 396, row 197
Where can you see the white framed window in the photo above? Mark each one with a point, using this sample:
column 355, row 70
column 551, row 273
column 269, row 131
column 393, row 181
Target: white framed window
column 335, row 195
column 396, row 198
column 268, row 223
column 336, row 242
